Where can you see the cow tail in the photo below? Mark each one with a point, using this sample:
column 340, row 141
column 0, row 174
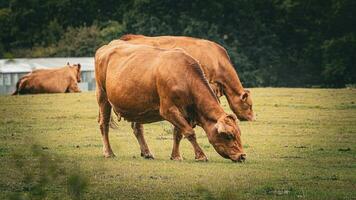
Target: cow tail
column 17, row 87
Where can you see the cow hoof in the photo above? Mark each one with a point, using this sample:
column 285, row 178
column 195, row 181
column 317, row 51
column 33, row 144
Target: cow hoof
column 148, row 156
column 202, row 159
column 109, row 155
column 177, row 158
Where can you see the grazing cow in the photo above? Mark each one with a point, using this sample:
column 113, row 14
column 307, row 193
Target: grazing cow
column 216, row 65
column 59, row 80
column 145, row 84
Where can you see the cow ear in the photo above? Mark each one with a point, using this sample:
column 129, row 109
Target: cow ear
column 244, row 96
column 68, row 64
column 79, row 66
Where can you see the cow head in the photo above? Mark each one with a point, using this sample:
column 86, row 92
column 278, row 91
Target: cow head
column 76, row 68
column 243, row 107
column 226, row 138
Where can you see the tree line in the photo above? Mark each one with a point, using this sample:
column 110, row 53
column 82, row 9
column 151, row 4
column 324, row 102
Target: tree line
column 294, row 43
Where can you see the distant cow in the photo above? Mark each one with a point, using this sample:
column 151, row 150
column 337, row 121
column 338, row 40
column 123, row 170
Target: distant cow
column 145, row 84
column 58, row 80
column 216, row 65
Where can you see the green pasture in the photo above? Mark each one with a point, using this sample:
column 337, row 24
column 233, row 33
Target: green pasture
column 302, row 146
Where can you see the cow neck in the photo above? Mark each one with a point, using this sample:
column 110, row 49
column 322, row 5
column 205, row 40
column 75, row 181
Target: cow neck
column 207, row 107
column 231, row 85
column 230, row 81
column 208, row 121
column 209, row 110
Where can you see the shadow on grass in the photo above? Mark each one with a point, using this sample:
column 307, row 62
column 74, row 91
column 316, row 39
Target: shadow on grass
column 205, row 194
column 37, row 172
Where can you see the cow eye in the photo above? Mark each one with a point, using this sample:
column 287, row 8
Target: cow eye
column 229, row 136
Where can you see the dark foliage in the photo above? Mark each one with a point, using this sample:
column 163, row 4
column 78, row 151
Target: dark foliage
column 271, row 42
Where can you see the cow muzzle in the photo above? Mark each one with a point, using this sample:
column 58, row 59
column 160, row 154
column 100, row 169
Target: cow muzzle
column 239, row 157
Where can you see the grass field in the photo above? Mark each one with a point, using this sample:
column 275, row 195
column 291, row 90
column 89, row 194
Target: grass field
column 302, row 146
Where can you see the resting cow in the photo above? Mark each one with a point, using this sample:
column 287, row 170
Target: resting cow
column 144, row 84
column 216, row 65
column 59, row 80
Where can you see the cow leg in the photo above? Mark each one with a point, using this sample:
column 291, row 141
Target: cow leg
column 73, row 87
column 138, row 131
column 173, row 115
column 177, row 137
column 104, row 119
column 199, row 154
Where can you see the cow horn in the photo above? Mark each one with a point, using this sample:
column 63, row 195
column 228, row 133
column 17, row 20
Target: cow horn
column 220, row 127
column 232, row 116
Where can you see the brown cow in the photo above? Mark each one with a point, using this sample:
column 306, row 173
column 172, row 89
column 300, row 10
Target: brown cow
column 144, row 84
column 58, row 80
column 216, row 65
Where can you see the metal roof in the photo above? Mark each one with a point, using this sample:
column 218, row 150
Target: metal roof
column 19, row 65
